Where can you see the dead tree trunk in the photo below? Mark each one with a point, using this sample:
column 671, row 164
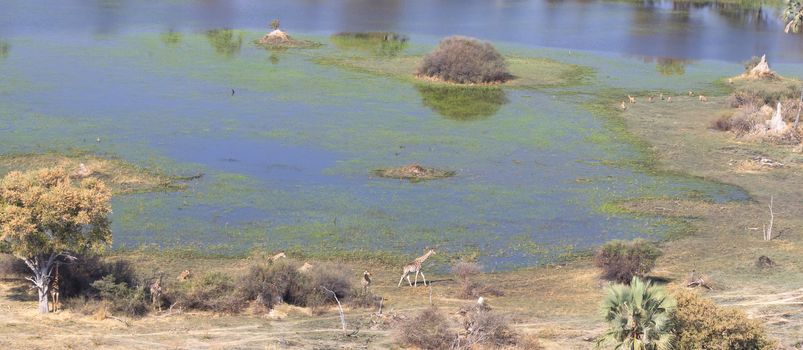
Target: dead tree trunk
column 799, row 107
column 768, row 230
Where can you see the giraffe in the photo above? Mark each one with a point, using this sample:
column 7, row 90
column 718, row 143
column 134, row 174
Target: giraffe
column 415, row 266
column 278, row 256
column 156, row 293
column 55, row 286
column 366, row 281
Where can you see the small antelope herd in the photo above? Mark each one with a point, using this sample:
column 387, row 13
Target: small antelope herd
column 651, row 98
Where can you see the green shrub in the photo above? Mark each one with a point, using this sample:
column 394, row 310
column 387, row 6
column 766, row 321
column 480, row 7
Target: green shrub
column 638, row 316
column 77, row 277
column 620, row 261
column 701, row 324
column 120, row 297
column 211, row 292
column 465, row 60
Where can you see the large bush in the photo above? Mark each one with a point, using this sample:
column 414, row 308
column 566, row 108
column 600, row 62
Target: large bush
column 428, row 330
column 212, row 292
column 701, row 324
column 620, row 261
column 275, row 283
column 465, row 60
column 120, row 297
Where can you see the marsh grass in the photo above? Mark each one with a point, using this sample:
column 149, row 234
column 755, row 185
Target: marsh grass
column 529, row 72
column 123, row 177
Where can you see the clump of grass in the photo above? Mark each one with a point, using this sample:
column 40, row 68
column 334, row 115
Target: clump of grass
column 428, row 330
column 701, row 324
column 464, row 60
column 620, row 261
column 414, row 172
column 768, row 91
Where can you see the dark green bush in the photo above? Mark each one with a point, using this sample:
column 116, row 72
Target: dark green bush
column 211, row 292
column 620, row 260
column 465, row 60
column 701, row 324
column 120, row 297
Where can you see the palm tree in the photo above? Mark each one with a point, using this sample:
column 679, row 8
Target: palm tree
column 638, row 317
column 794, row 15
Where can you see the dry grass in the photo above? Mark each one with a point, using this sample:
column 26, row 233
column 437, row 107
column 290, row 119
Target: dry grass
column 122, row 177
column 725, row 238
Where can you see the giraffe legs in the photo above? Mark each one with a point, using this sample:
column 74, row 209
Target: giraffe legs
column 416, row 278
column 425, row 278
column 402, row 278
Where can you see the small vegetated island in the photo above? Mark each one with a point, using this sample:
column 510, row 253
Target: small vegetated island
column 279, row 39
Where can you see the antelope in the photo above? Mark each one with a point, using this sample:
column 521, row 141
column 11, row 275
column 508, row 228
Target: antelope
column 631, row 98
column 623, row 106
column 184, row 275
column 703, row 98
column 366, row 281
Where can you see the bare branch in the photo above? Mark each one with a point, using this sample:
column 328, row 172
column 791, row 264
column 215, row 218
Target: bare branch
column 339, row 308
column 768, row 230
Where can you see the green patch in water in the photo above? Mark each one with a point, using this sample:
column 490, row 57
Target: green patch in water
column 461, row 103
column 383, row 44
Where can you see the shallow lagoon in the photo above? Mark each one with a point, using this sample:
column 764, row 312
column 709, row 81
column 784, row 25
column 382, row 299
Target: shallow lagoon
column 288, row 157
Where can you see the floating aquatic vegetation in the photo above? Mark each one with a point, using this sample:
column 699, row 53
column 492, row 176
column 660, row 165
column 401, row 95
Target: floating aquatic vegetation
column 414, row 173
column 5, row 48
column 171, row 38
column 226, row 42
column 376, row 43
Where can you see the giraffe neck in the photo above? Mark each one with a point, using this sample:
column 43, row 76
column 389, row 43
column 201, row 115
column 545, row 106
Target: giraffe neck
column 424, row 257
